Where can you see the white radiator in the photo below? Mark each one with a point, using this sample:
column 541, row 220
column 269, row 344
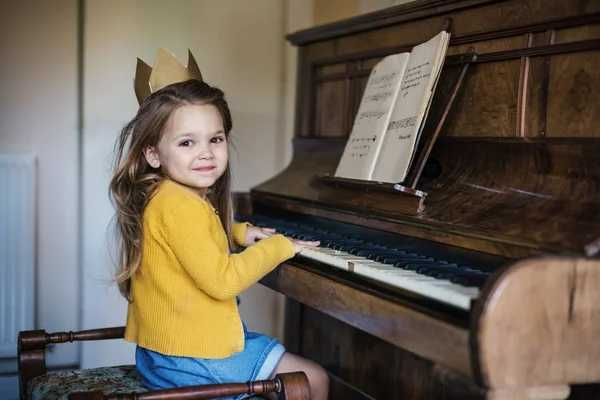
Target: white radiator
column 17, row 248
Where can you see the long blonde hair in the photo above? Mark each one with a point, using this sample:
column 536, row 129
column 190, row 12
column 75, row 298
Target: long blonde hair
column 134, row 180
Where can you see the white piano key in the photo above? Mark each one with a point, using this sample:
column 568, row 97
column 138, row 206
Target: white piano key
column 438, row 289
column 442, row 290
column 325, row 257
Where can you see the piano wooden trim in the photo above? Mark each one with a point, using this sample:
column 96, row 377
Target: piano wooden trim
column 469, row 38
column 550, row 339
column 445, row 235
column 389, row 320
column 378, row 19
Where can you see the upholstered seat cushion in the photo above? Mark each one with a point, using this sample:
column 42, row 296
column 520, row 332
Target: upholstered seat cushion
column 57, row 385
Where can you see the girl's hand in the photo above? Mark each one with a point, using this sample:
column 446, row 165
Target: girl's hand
column 255, row 233
column 303, row 244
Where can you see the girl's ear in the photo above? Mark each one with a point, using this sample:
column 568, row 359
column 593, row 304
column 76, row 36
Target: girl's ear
column 152, row 156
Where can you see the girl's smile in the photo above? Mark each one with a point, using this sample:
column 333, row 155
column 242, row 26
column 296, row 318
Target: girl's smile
column 203, row 169
column 193, row 148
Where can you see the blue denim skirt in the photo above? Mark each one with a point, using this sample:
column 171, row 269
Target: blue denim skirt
column 257, row 361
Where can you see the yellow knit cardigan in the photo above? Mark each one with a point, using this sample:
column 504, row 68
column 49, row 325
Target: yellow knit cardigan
column 184, row 293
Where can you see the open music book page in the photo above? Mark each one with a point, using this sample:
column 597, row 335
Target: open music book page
column 407, row 120
column 391, row 114
column 372, row 118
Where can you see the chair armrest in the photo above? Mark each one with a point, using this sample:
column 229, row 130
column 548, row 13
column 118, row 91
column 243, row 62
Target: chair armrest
column 31, row 348
column 288, row 386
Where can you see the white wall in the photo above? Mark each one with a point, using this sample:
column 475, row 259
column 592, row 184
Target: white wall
column 38, row 114
column 239, row 47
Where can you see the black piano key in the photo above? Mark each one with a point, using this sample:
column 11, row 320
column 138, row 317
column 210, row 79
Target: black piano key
column 373, row 251
column 438, row 271
column 379, row 255
column 434, row 267
column 344, row 245
column 469, row 279
column 400, row 260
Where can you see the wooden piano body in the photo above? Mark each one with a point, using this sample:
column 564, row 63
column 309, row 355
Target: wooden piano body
column 515, row 175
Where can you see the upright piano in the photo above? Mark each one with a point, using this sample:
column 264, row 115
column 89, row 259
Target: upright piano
column 490, row 287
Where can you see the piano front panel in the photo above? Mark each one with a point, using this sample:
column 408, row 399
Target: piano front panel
column 381, row 370
column 492, row 103
column 333, row 96
column 571, row 34
column 574, row 95
column 363, row 308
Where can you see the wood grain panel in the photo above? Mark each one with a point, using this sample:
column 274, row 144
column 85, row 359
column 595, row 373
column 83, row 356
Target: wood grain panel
column 369, row 63
column 489, row 46
column 358, row 88
column 381, row 370
column 398, row 35
column 331, row 108
column 578, row 33
column 537, row 97
column 554, row 339
column 542, row 38
column 574, row 95
column 320, row 50
column 513, row 13
column 486, row 105
column 331, row 69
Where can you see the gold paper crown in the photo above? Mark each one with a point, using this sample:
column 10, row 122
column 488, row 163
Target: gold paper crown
column 167, row 70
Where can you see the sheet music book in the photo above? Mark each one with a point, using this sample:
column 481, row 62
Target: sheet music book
column 392, row 113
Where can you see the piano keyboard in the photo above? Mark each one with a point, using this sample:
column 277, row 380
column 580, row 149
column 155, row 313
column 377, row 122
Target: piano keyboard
column 404, row 267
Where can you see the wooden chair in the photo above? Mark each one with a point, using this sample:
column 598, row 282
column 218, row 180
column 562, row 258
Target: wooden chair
column 122, row 382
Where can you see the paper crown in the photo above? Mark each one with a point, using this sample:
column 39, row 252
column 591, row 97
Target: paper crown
column 167, row 70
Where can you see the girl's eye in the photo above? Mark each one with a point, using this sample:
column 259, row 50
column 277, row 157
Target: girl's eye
column 218, row 139
column 185, row 143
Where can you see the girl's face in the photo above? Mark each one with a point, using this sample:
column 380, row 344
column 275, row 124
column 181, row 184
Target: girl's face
column 193, row 148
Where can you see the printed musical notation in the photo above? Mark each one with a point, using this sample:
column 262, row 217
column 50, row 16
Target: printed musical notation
column 379, row 96
column 382, row 79
column 414, row 77
column 383, row 82
column 370, row 115
column 361, row 146
column 402, row 123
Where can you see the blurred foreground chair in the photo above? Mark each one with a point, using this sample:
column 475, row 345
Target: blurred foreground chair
column 122, row 382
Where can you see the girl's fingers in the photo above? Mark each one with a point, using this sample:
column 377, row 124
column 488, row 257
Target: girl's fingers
column 308, row 243
column 299, row 245
column 258, row 237
column 268, row 230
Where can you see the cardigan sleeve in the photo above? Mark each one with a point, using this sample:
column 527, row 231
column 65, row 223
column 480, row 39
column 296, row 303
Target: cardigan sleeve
column 193, row 239
column 238, row 231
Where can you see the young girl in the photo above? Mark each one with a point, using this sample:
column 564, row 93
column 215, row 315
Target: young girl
column 171, row 189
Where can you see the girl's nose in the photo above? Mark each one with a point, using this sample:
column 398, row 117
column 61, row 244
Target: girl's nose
column 204, row 152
